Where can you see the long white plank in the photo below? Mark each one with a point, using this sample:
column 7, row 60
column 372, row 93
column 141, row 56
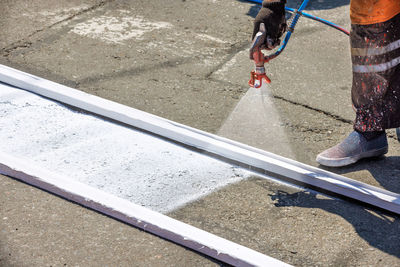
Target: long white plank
column 252, row 157
column 126, row 211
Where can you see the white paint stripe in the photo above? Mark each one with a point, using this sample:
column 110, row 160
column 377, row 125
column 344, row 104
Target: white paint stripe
column 223, row 147
column 120, row 160
column 375, row 51
column 376, row 68
column 148, row 220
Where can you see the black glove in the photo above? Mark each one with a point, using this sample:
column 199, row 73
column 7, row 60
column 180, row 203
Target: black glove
column 272, row 14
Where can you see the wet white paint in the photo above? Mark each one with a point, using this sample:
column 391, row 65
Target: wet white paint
column 118, row 27
column 121, row 161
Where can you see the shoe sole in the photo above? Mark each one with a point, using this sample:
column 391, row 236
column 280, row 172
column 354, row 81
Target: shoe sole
column 350, row 160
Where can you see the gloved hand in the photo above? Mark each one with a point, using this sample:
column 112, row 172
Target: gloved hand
column 272, row 14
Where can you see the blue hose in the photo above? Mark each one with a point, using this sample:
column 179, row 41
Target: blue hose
column 289, row 32
column 309, row 16
column 324, row 21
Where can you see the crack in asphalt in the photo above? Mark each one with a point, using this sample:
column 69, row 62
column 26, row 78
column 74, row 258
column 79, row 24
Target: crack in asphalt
column 327, row 113
column 23, row 44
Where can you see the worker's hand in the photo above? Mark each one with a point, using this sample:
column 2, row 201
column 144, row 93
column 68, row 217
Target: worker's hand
column 272, row 14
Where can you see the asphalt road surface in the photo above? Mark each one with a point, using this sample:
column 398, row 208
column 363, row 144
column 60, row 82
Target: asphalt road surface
column 188, row 61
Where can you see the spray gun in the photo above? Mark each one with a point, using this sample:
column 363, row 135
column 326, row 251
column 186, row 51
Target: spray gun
column 258, row 75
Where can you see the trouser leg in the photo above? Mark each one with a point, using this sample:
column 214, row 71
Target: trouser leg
column 375, row 51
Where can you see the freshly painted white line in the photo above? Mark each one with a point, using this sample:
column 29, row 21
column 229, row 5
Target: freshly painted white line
column 136, row 215
column 119, row 160
column 222, row 147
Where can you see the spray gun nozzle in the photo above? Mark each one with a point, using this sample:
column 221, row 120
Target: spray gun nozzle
column 257, row 75
column 257, row 78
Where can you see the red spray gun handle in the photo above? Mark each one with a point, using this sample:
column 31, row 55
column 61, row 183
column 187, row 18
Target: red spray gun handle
column 259, row 59
column 259, row 73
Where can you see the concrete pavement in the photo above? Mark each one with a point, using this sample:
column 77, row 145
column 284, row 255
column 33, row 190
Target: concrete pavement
column 187, row 61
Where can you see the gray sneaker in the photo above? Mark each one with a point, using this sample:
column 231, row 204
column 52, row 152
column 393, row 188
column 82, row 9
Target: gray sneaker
column 353, row 148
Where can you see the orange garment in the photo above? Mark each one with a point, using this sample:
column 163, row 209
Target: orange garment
column 373, row 11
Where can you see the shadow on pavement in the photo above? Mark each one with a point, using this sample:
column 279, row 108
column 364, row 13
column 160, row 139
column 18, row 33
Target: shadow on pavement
column 379, row 230
column 385, row 170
